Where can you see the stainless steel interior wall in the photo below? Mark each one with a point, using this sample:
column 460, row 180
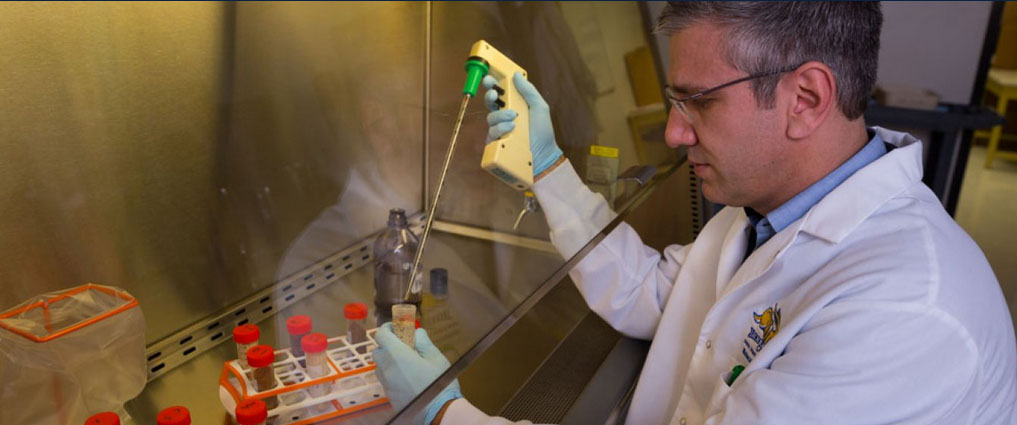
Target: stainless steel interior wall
column 325, row 130
column 193, row 153
column 111, row 118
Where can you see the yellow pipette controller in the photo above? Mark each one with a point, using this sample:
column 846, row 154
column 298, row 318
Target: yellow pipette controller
column 508, row 158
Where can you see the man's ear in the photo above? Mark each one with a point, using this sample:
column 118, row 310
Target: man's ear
column 813, row 97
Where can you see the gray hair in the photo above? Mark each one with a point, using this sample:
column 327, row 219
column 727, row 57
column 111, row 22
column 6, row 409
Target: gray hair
column 767, row 36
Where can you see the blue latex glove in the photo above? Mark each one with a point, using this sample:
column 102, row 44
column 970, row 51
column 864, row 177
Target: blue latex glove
column 542, row 145
column 405, row 372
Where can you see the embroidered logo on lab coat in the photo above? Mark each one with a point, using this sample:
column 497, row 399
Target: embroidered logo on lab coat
column 765, row 326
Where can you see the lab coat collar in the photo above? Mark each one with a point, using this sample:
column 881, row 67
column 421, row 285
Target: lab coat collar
column 842, row 210
column 730, row 264
column 832, row 218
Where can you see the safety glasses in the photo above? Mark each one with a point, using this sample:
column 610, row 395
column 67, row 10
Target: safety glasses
column 679, row 103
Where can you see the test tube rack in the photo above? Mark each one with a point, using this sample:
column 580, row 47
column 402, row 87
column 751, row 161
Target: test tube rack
column 353, row 386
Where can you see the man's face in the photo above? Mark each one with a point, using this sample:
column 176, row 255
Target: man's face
column 735, row 146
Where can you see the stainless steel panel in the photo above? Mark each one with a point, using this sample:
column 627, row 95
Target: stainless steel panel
column 110, row 119
column 324, row 136
column 195, row 153
column 180, row 347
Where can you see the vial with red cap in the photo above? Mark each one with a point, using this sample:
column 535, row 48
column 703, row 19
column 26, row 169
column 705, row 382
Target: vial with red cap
column 298, row 326
column 176, row 415
column 356, row 324
column 246, row 336
column 314, row 345
column 260, row 357
column 251, row 412
column 104, row 418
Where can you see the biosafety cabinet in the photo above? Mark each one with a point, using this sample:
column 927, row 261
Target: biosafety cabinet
column 233, row 163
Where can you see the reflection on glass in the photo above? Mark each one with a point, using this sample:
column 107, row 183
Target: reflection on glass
column 212, row 157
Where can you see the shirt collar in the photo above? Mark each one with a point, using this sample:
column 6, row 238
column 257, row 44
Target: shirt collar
column 797, row 206
column 841, row 211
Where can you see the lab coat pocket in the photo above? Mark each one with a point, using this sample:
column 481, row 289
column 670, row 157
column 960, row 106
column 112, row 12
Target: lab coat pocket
column 721, row 390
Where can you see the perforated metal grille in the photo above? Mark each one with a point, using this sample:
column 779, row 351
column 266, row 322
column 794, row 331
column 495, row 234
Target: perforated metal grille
column 549, row 393
column 182, row 346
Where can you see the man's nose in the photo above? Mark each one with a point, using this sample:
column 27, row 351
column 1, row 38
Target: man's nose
column 679, row 131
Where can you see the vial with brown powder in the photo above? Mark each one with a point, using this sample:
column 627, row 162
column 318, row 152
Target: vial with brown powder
column 246, row 336
column 298, row 326
column 104, row 418
column 317, row 365
column 356, row 325
column 175, row 415
column 251, row 412
column 260, row 357
column 404, row 320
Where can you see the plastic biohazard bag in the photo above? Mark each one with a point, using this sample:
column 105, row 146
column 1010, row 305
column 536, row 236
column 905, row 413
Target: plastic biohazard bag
column 67, row 355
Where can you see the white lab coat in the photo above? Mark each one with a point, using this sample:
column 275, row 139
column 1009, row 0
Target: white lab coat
column 888, row 311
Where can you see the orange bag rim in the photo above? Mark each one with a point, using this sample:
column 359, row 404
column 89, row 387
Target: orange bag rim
column 44, row 304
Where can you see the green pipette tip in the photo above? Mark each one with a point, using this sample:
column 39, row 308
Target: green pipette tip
column 476, row 69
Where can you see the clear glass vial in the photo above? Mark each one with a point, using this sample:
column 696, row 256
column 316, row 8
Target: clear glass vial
column 356, row 325
column 298, row 326
column 404, row 321
column 246, row 336
column 175, row 415
column 251, row 412
column 260, row 357
column 104, row 418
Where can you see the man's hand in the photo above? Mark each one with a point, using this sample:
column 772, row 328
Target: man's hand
column 545, row 151
column 405, row 372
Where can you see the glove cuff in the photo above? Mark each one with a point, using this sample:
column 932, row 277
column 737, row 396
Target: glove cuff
column 435, row 406
column 546, row 161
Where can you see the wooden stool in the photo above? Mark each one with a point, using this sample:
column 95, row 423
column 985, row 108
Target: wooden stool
column 1002, row 83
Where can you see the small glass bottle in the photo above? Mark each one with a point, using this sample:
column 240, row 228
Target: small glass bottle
column 356, row 325
column 441, row 325
column 435, row 299
column 317, row 362
column 104, row 418
column 439, row 283
column 246, row 336
column 404, row 320
column 298, row 326
column 176, row 415
column 260, row 357
column 251, row 412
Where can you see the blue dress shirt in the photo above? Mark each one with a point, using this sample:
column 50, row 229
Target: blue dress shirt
column 761, row 228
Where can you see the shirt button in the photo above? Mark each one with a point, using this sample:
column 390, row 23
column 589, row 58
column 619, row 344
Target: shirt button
column 682, row 422
column 709, row 344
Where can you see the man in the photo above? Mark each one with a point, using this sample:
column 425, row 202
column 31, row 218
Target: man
column 834, row 288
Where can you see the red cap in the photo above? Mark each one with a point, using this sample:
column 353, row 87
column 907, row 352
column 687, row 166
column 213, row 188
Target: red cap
column 416, row 324
column 260, row 355
column 314, row 343
column 104, row 418
column 176, row 415
column 251, row 412
column 246, row 334
column 298, row 325
column 355, row 311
